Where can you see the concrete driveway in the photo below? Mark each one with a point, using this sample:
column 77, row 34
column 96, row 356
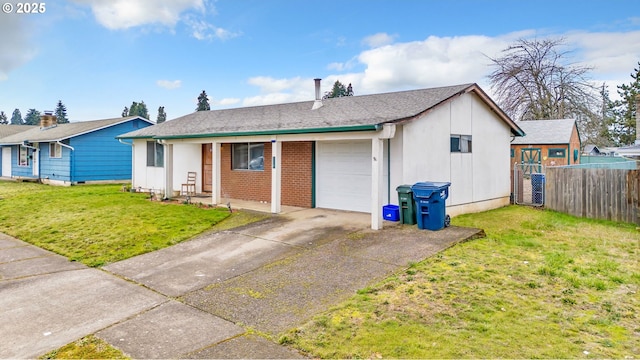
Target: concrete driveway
column 189, row 300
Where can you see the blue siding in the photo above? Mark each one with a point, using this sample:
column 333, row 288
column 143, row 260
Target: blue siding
column 52, row 168
column 20, row 171
column 100, row 156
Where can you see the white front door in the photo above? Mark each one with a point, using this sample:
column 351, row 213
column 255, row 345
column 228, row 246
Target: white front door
column 343, row 175
column 6, row 161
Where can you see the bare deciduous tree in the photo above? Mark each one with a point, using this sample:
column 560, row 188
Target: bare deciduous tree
column 533, row 80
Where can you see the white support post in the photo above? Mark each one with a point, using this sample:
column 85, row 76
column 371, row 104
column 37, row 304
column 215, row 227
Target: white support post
column 377, row 182
column 215, row 173
column 168, row 169
column 276, row 176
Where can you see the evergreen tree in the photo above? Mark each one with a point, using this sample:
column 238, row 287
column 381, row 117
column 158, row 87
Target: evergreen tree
column 623, row 126
column 139, row 109
column 203, row 102
column 61, row 113
column 32, row 117
column 3, row 118
column 16, row 118
column 125, row 112
column 162, row 116
column 339, row 90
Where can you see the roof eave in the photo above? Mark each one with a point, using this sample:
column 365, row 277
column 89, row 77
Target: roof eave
column 272, row 132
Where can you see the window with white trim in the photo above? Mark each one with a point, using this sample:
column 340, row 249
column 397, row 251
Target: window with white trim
column 155, row 154
column 247, row 156
column 23, row 156
column 55, row 151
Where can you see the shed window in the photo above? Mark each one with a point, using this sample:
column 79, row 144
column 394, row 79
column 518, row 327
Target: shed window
column 55, row 151
column 461, row 143
column 557, row 153
column 247, row 156
column 23, row 156
column 155, row 154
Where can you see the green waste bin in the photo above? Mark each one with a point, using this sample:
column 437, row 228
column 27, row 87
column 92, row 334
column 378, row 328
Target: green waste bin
column 407, row 205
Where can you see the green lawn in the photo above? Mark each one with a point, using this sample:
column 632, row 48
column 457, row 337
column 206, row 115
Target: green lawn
column 540, row 285
column 97, row 224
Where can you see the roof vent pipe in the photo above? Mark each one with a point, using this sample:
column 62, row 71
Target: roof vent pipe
column 318, row 103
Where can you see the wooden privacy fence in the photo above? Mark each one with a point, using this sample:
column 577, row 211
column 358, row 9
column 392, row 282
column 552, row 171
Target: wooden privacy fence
column 609, row 194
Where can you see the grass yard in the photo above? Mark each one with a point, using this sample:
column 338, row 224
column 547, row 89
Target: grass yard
column 540, row 285
column 97, row 224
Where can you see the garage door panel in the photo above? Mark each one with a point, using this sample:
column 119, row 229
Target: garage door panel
column 343, row 175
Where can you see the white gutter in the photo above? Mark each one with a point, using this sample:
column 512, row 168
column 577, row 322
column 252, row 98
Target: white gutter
column 65, row 145
column 124, row 142
column 28, row 146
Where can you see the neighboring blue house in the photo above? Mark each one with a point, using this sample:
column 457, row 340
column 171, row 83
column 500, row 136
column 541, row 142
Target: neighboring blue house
column 5, row 153
column 72, row 153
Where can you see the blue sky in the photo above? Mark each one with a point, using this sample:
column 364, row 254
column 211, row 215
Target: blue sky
column 99, row 56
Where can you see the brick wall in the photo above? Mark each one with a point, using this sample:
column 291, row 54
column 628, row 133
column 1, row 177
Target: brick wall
column 296, row 173
column 245, row 184
column 256, row 185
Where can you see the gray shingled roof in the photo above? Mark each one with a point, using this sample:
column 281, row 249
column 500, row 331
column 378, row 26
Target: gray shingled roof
column 61, row 131
column 6, row 130
column 345, row 113
column 545, row 131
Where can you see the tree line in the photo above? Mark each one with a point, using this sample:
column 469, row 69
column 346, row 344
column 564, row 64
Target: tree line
column 33, row 116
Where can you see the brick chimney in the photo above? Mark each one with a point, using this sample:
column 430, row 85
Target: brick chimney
column 48, row 120
column 637, row 119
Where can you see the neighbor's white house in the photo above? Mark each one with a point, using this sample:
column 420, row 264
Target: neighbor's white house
column 347, row 153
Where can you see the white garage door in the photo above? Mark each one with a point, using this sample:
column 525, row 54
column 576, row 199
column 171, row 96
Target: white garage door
column 343, row 175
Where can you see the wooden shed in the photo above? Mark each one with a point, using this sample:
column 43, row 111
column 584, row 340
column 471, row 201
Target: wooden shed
column 546, row 143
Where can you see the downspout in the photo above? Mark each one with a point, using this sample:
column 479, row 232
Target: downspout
column 388, row 171
column 133, row 162
column 71, row 160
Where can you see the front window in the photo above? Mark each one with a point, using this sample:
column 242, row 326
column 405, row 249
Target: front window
column 55, row 150
column 461, row 143
column 155, row 154
column 23, row 156
column 247, row 156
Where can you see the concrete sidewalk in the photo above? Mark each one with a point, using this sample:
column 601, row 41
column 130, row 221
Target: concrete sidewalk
column 197, row 298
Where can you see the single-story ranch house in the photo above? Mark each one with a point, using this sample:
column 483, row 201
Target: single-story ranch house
column 347, row 153
column 70, row 153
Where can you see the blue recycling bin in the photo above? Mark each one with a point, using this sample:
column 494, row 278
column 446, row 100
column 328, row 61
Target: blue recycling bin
column 430, row 202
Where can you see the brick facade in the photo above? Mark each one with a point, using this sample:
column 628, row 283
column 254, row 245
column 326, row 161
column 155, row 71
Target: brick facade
column 297, row 162
column 256, row 185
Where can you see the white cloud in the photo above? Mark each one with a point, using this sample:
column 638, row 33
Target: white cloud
column 277, row 91
column 379, row 39
column 227, row 101
column 607, row 53
column 441, row 61
column 203, row 30
column 169, row 84
column 124, row 14
column 16, row 49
